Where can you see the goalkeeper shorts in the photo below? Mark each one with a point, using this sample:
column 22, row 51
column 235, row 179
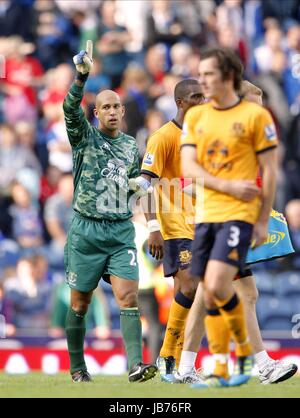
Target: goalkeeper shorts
column 96, row 249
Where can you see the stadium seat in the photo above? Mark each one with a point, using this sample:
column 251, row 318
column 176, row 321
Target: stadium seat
column 275, row 312
column 288, row 284
column 265, row 283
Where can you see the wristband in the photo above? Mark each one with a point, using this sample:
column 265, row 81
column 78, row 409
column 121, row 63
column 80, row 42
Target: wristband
column 81, row 77
column 153, row 225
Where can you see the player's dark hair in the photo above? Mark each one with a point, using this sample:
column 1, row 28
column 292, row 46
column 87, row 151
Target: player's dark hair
column 228, row 62
column 182, row 88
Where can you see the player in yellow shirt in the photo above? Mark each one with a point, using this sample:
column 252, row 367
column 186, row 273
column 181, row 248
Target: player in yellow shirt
column 176, row 220
column 270, row 370
column 231, row 139
column 175, row 215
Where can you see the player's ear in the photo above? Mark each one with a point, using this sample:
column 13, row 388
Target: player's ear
column 178, row 102
column 96, row 113
column 123, row 110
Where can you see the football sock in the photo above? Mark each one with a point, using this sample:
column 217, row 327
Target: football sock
column 174, row 334
column 221, row 365
column 131, row 328
column 218, row 336
column 75, row 332
column 187, row 362
column 262, row 359
column 233, row 313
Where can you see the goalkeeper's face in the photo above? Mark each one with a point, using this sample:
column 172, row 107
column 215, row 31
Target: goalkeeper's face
column 109, row 111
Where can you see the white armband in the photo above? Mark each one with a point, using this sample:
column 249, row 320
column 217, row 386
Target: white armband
column 153, row 225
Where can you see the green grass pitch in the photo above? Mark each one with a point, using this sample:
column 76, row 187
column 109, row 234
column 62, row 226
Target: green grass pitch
column 38, row 385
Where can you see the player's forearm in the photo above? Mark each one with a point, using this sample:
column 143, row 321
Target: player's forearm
column 268, row 165
column 192, row 170
column 74, row 97
column 268, row 194
column 148, row 202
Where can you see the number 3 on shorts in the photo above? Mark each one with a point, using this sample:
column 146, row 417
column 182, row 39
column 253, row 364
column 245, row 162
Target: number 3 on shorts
column 234, row 236
column 133, row 257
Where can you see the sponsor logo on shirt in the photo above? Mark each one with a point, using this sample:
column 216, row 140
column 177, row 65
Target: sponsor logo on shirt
column 270, row 132
column 149, row 159
column 116, row 171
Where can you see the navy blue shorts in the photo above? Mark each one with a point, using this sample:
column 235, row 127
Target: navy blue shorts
column 224, row 241
column 177, row 255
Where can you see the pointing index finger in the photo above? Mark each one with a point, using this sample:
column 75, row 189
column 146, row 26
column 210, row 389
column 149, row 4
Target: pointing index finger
column 89, row 48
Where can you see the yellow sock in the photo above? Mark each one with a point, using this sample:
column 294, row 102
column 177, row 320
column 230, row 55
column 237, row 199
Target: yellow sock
column 218, row 336
column 179, row 347
column 233, row 313
column 174, row 330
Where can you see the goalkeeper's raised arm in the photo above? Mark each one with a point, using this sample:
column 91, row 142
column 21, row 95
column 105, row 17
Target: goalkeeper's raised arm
column 76, row 122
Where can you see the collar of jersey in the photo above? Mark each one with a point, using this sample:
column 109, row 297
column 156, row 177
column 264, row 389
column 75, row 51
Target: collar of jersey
column 110, row 137
column 229, row 107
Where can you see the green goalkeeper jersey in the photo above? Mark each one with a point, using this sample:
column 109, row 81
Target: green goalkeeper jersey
column 102, row 165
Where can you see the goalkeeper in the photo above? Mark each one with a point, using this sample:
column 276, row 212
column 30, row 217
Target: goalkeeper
column 100, row 240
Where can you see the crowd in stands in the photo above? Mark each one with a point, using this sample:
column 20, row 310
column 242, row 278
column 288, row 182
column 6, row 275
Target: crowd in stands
column 142, row 49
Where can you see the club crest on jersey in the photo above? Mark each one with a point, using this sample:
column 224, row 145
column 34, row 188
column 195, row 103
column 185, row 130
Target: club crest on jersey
column 129, row 154
column 270, row 132
column 185, row 256
column 238, row 129
column 149, row 159
column 216, row 156
column 105, row 146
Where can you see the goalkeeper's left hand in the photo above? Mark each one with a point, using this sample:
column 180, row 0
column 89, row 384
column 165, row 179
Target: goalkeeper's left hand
column 84, row 60
column 140, row 186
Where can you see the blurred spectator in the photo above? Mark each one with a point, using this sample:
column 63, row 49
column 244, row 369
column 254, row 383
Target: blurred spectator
column 292, row 160
column 23, row 75
column 292, row 211
column 111, row 45
column 263, row 54
column 180, row 54
column 253, row 22
column 57, row 214
column 272, row 82
column 229, row 38
column 281, row 10
column 292, row 72
column 166, row 103
column 156, row 67
column 58, row 81
column 230, row 13
column 16, row 19
column 30, row 297
column 49, row 183
column 10, row 151
column 96, row 82
column 153, row 121
column 132, row 16
column 136, row 100
column 26, row 223
column 59, row 148
column 97, row 318
column 162, row 24
column 191, row 16
column 54, row 34
column 193, row 65
column 6, row 311
column 26, row 134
